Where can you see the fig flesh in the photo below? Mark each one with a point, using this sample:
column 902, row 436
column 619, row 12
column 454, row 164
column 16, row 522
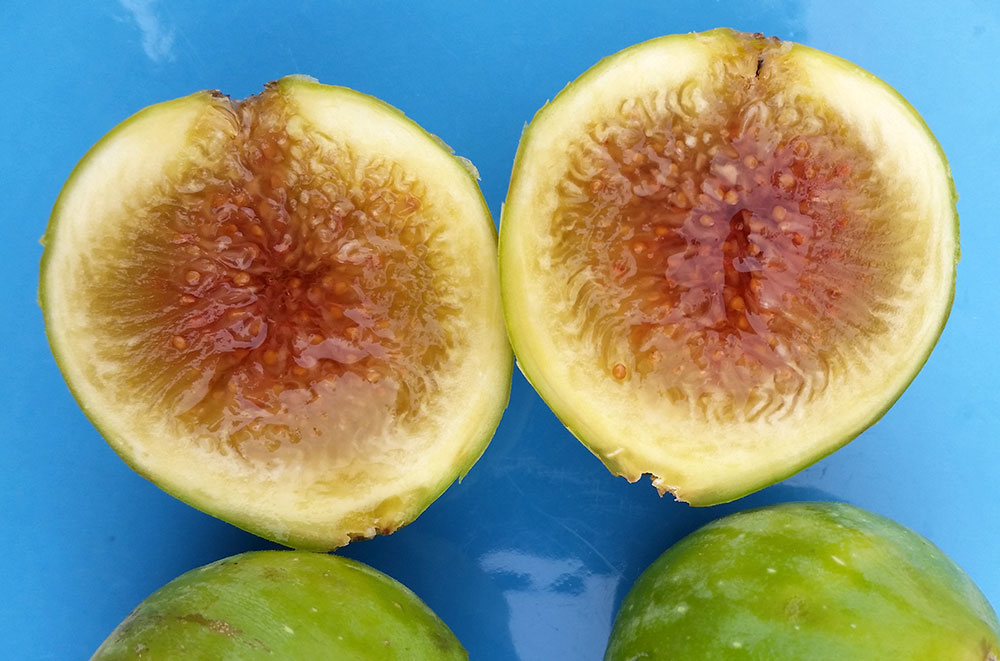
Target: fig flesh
column 723, row 257
column 284, row 311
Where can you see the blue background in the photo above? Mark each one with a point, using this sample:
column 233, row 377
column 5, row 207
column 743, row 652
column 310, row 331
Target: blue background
column 530, row 556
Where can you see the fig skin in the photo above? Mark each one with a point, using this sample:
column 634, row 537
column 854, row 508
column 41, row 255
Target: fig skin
column 805, row 581
column 282, row 605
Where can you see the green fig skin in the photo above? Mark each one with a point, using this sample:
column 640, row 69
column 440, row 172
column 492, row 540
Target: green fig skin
column 817, row 581
column 282, row 605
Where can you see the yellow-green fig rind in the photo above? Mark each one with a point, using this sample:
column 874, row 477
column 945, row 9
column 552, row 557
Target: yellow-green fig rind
column 818, row 581
column 295, row 505
column 282, row 605
column 716, row 462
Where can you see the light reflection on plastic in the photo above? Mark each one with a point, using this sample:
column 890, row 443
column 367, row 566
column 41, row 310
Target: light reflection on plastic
column 157, row 40
column 557, row 606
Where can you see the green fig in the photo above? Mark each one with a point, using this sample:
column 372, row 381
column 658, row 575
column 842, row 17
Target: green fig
column 816, row 581
column 282, row 605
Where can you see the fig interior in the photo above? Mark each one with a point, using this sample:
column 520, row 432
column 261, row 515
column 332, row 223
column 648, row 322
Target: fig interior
column 282, row 294
column 732, row 243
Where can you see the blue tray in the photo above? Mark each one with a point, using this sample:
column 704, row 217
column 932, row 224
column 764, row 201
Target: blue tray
column 530, row 556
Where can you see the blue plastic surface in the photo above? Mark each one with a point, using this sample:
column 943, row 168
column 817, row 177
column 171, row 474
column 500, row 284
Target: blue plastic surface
column 530, row 556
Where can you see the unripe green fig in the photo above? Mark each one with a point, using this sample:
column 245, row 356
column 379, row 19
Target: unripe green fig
column 816, row 581
column 282, row 605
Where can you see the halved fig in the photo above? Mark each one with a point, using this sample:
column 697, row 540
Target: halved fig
column 817, row 581
column 282, row 605
column 284, row 311
column 724, row 256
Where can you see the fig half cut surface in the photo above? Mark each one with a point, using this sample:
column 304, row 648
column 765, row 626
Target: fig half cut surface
column 724, row 256
column 282, row 605
column 817, row 581
column 284, row 311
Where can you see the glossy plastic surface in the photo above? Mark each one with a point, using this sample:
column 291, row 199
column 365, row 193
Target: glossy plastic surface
column 530, row 556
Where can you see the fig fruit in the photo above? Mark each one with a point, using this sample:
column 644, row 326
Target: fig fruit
column 818, row 581
column 724, row 256
column 284, row 311
column 282, row 605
